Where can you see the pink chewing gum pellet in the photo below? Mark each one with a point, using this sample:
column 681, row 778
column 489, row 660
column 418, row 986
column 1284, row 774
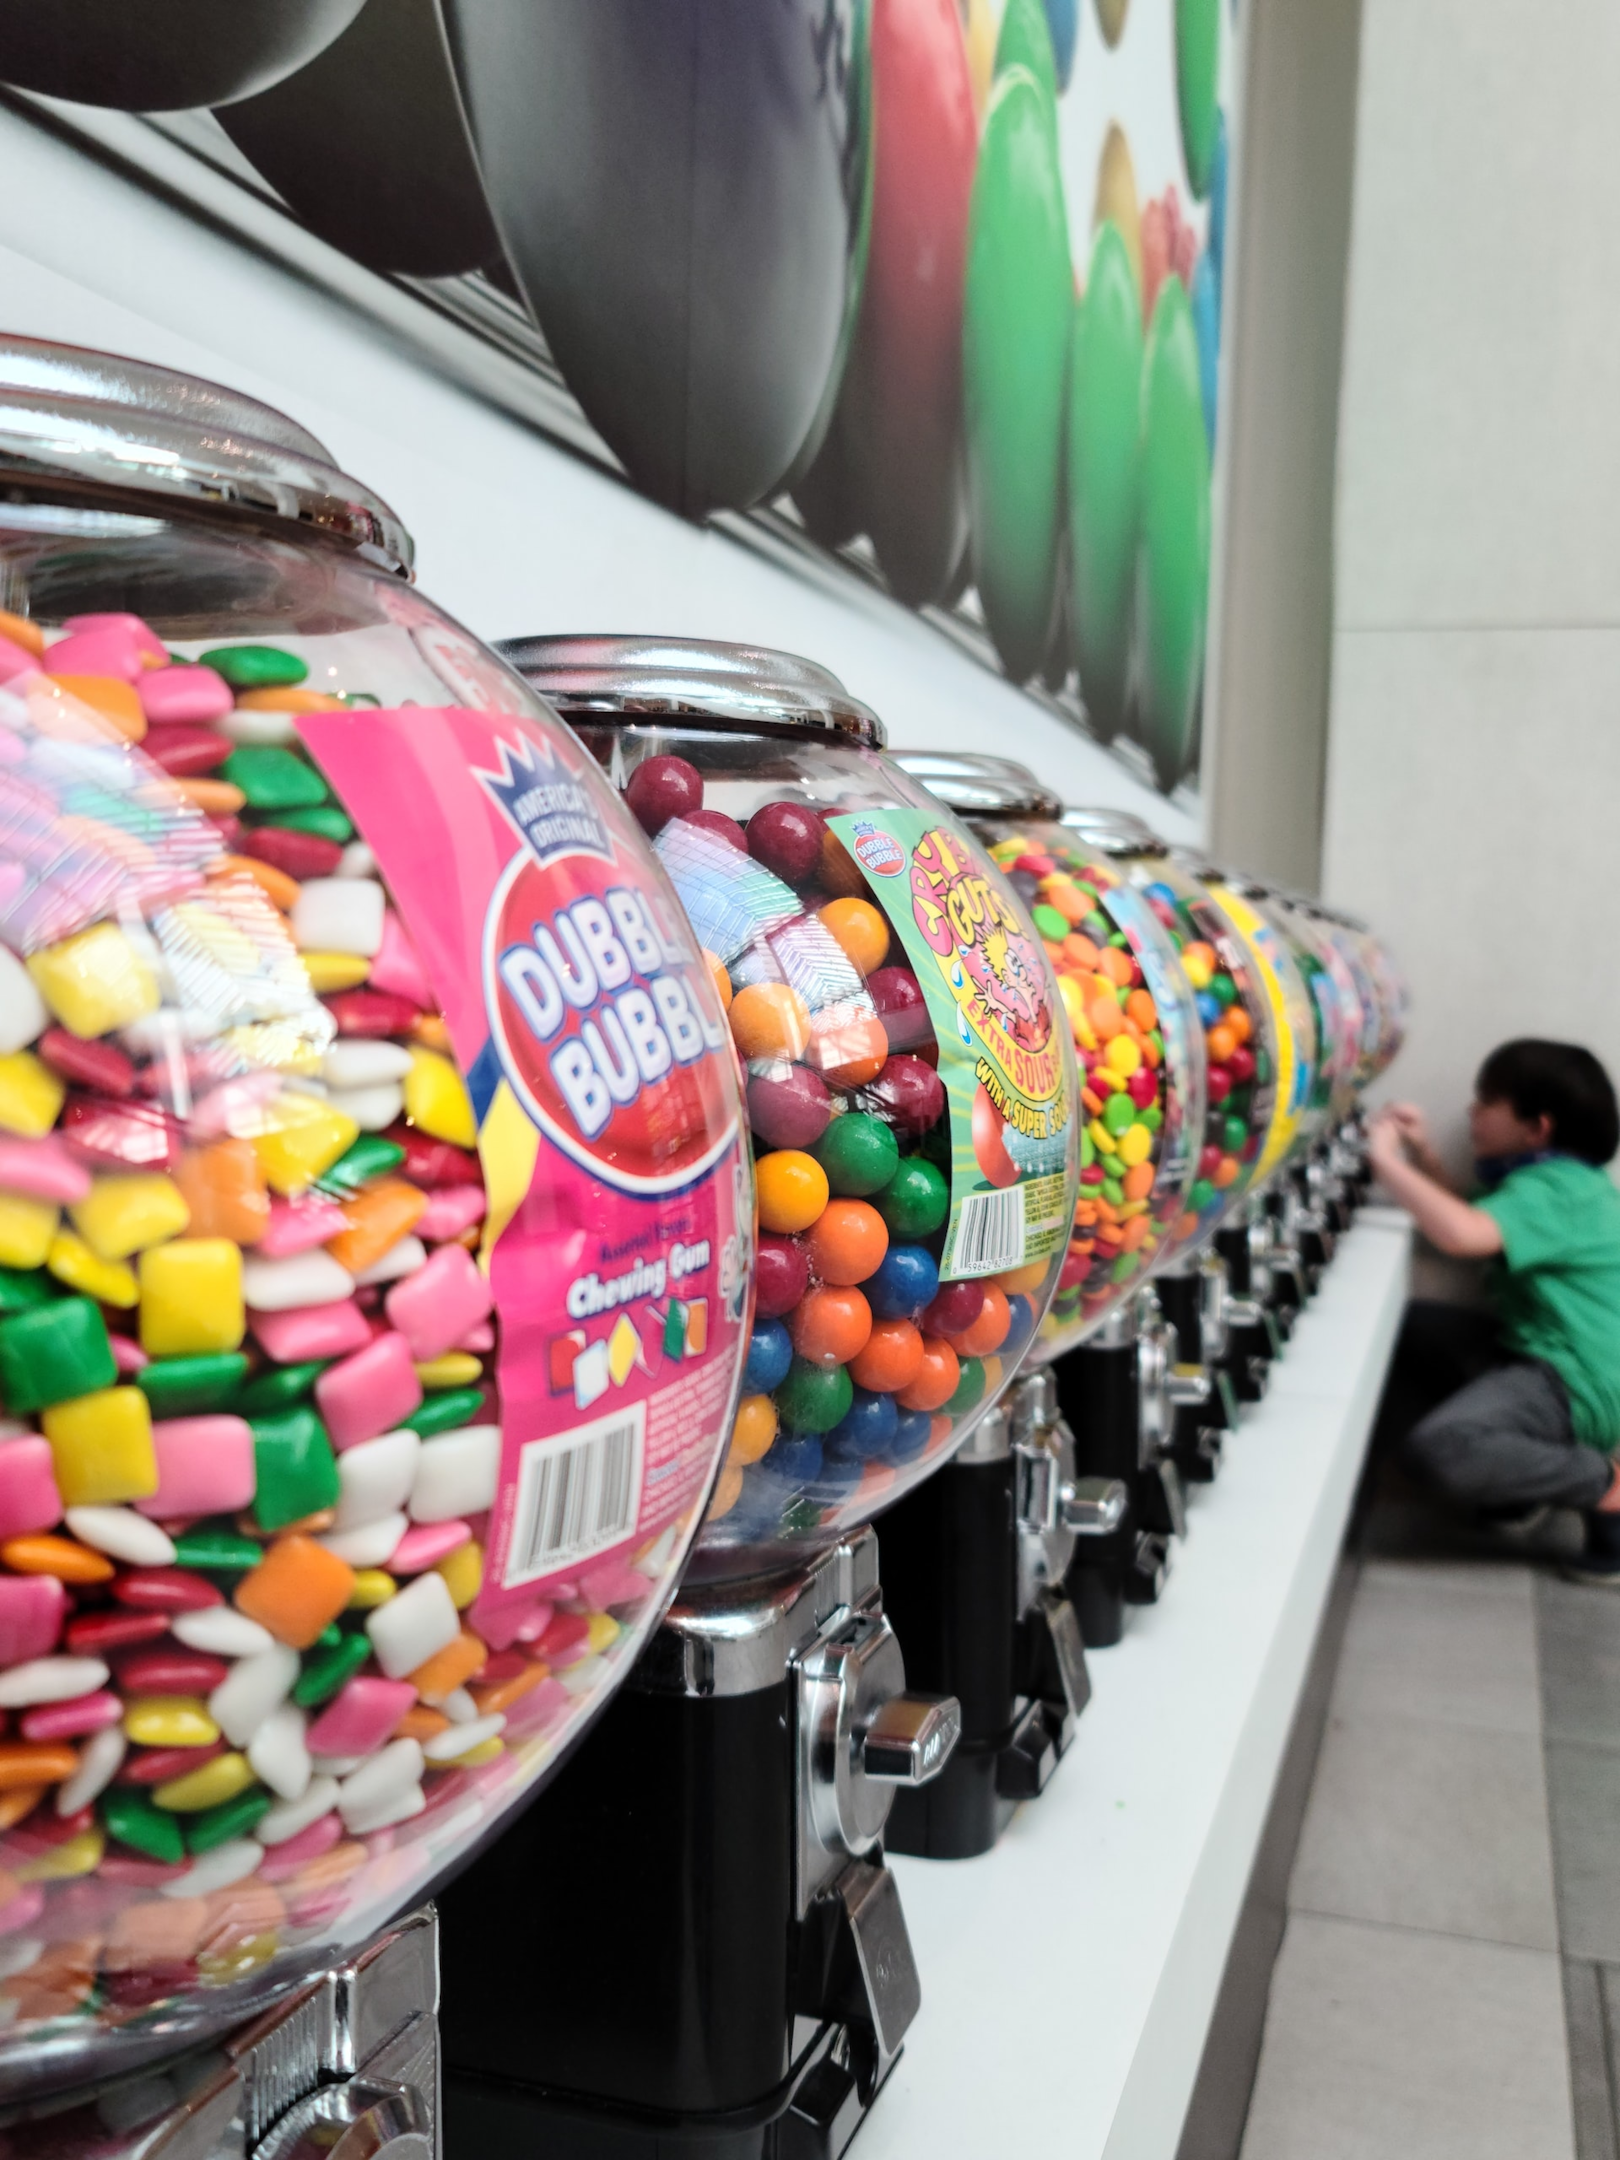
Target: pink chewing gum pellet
column 424, row 1545
column 128, row 1356
column 479, row 1340
column 178, row 694
column 283, row 1861
column 134, row 627
column 312, row 1331
column 537, row 1708
column 398, row 967
column 32, row 1609
column 29, row 1500
column 71, row 1720
column 452, row 1209
column 15, row 660
column 300, row 1225
column 23, row 1910
column 439, row 1303
column 369, row 1393
column 613, row 1584
column 205, row 1466
column 43, row 1169
column 230, row 1108
column 112, row 650
column 360, row 1717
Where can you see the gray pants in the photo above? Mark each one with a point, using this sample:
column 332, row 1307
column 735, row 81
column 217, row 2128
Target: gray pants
column 1506, row 1441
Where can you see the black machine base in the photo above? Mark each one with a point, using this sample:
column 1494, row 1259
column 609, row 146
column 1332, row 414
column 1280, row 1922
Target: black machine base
column 966, row 1808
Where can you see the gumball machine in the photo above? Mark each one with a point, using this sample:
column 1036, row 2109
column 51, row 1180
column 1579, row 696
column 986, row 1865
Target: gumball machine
column 910, row 1095
column 367, row 1360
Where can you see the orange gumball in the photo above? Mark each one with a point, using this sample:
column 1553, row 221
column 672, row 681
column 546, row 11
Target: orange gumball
column 848, row 1242
column 851, row 1048
column 1226, row 1171
column 1080, row 952
column 753, row 1430
column 722, row 981
column 937, row 1377
column 1220, row 1043
column 840, row 872
column 1106, row 1019
column 861, row 929
column 892, row 1358
column 1239, row 1022
column 792, row 1189
column 989, row 1331
column 830, row 1326
column 1139, row 1006
column 1117, row 965
column 769, row 1020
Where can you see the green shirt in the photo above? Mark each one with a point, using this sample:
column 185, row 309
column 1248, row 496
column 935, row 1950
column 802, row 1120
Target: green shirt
column 1557, row 1284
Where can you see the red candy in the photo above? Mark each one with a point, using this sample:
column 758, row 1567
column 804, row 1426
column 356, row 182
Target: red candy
column 164, row 1590
column 300, row 854
column 781, row 1277
column 99, row 1065
column 955, row 1309
column 716, row 822
column 92, row 1634
column 786, row 837
column 371, row 1013
column 432, row 1162
column 155, row 1766
column 120, row 1135
column 898, row 996
column 185, row 751
column 788, row 1106
column 176, row 1671
column 662, row 788
column 909, row 1093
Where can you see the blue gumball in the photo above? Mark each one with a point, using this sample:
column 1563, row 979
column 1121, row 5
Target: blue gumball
column 1206, row 314
column 770, row 1353
column 912, row 1432
column 839, row 1475
column 1020, row 1328
column 907, row 1280
column 1209, row 1007
column 866, row 1430
column 795, row 1459
column 1063, row 21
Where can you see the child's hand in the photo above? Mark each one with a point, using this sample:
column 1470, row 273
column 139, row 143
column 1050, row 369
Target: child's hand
column 1409, row 1121
column 1386, row 1143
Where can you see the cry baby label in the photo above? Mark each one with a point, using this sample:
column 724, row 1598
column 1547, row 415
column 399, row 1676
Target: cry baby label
column 594, row 1050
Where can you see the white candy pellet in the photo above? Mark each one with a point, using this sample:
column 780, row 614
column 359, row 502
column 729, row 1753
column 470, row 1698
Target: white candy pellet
column 368, row 1545
column 384, row 1776
column 230, row 1863
column 246, row 726
column 277, row 1754
column 457, row 1474
column 411, row 1627
column 166, row 1032
column 121, row 1533
column 339, row 915
column 22, row 1009
column 399, row 1260
column 373, row 1109
column 251, row 1690
column 336, row 1766
column 60, row 1679
column 459, row 1707
column 20, row 1955
column 585, row 1678
column 360, row 1064
column 288, row 1817
column 306, row 1278
column 357, row 860
column 99, row 1761
column 221, row 1632
column 361, row 1821
column 462, row 1739
column 655, row 1562
column 376, row 1478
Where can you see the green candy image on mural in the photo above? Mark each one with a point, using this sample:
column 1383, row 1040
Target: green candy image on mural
column 1105, row 394
column 1026, row 41
column 1014, row 362
column 1173, row 554
column 1198, row 75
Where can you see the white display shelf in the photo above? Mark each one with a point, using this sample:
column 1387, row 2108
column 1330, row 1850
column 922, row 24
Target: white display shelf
column 1069, row 1976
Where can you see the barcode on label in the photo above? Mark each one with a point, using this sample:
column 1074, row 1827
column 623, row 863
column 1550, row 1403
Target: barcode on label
column 990, row 1234
column 576, row 1496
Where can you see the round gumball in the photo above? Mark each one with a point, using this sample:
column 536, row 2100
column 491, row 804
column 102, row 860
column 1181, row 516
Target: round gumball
column 770, row 1353
column 754, row 1428
column 851, row 1050
column 830, row 1325
column 792, row 1190
column 662, row 788
column 898, row 997
column 788, row 1105
column 909, row 1093
column 860, row 929
column 722, row 981
column 912, row 1432
column 937, row 1377
column 892, row 1358
column 915, row 1201
column 955, row 1309
column 904, row 1284
column 786, row 838
column 866, row 1428
column 796, row 1458
column 838, row 870
column 847, row 1242
column 987, row 1333
column 716, row 822
column 859, row 1153
column 769, row 1020
column 781, row 1277
column 971, row 1386
column 727, row 1490
column 814, row 1397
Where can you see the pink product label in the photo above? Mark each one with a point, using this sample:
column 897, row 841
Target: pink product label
column 599, row 1067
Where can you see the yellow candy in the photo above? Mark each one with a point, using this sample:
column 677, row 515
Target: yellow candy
column 30, row 1095
column 457, row 1368
column 1134, row 1145
column 109, row 1282
column 302, row 1137
column 26, row 1229
column 486, row 1751
column 96, row 981
column 601, row 1630
column 1074, row 999
column 124, row 1214
column 463, row 1572
column 79, row 1855
column 169, row 1721
column 1123, row 1056
column 330, row 971
column 437, row 1101
column 1200, row 969
column 217, row 1781
column 101, row 1447
column 373, row 1586
column 237, row 1960
column 1101, row 1138
column 191, row 1298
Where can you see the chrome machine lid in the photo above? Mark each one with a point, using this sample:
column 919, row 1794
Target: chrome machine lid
column 98, row 422
column 980, row 786
column 1116, row 832
column 733, row 686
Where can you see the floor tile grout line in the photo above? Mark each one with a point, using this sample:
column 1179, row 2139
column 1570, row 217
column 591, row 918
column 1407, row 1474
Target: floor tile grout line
column 1429, row 1934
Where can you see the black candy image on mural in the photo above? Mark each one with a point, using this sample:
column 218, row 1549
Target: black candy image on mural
column 162, row 55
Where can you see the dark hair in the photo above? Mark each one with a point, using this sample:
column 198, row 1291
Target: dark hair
column 1557, row 1080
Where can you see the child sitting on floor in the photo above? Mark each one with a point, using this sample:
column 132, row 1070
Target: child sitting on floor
column 1539, row 1417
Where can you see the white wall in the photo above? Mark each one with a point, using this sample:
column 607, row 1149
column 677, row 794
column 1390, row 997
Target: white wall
column 514, row 536
column 1474, row 762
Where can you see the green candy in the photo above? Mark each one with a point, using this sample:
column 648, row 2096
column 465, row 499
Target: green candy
column 1018, row 297
column 1105, row 390
column 1223, row 989
column 273, row 778
column 370, row 1156
column 296, row 1469
column 1097, row 927
column 1235, row 1134
column 1088, row 1148
column 217, row 1549
column 1202, row 1194
column 1262, row 1066
column 1025, row 40
column 187, row 1386
column 859, row 1154
column 1123, row 1268
column 1113, row 1192
column 1198, row 82
column 278, row 1387
column 1114, row 1168
column 326, row 821
column 969, row 1387
column 329, row 1637
column 800, row 1516
column 127, row 1815
column 443, row 1413
column 231, row 1819
column 1152, row 1117
column 1119, row 1113
column 1172, row 588
column 256, row 667
column 814, row 1397
column 915, row 1201
column 1052, row 926
column 328, row 1667
column 53, row 1352
column 25, row 1290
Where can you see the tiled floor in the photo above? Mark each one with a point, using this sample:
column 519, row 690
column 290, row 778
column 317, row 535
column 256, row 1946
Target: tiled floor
column 1455, row 1882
